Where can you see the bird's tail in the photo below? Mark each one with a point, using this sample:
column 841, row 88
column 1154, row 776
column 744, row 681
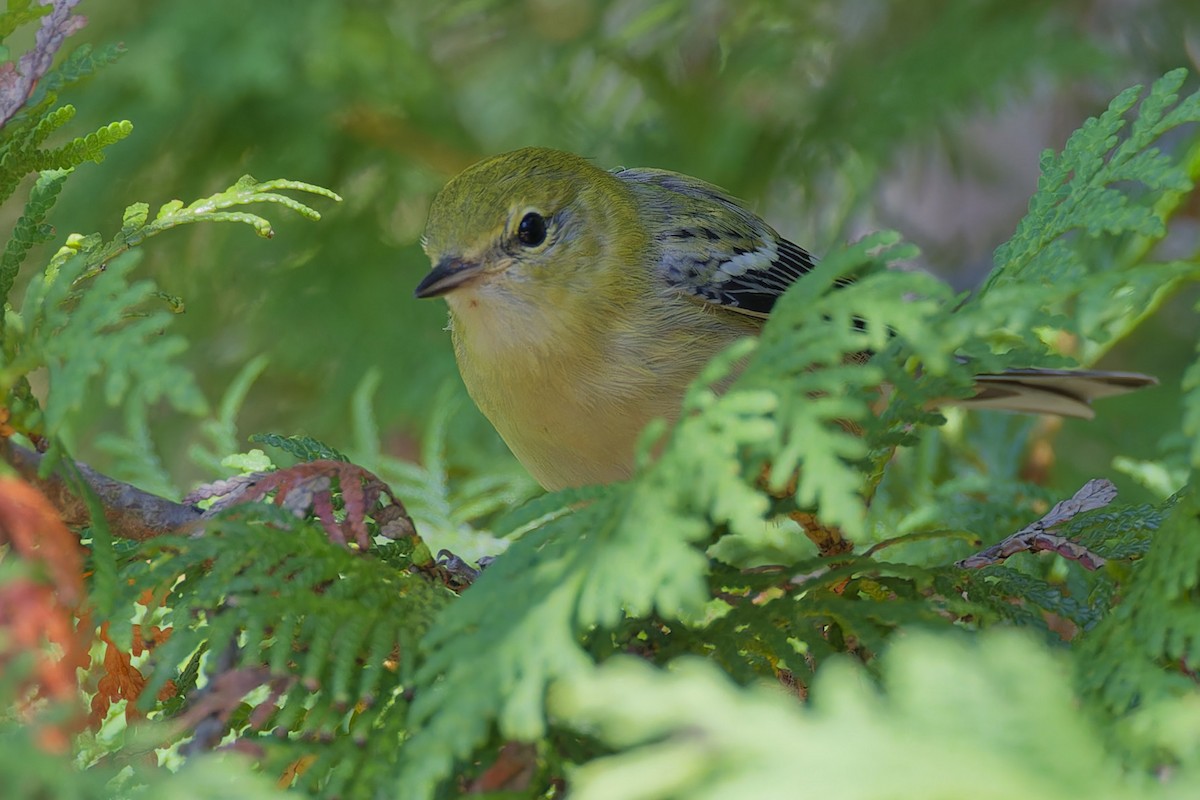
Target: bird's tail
column 1067, row 393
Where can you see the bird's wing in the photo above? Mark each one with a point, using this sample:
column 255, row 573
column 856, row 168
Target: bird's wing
column 711, row 247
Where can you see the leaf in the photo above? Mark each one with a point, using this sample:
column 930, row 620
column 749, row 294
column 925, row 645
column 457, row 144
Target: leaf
column 129, row 353
column 1115, row 195
column 304, row 448
column 41, row 591
column 30, row 228
column 308, row 487
column 1144, row 650
column 955, row 718
column 35, row 532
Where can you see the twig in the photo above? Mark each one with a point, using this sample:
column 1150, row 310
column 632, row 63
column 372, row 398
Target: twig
column 134, row 513
column 827, row 538
column 1094, row 494
column 17, row 81
column 211, row 706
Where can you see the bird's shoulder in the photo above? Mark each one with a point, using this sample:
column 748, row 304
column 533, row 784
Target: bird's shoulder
column 710, row 246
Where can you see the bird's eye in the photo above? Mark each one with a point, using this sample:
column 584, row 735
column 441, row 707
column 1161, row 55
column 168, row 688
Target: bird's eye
column 532, row 230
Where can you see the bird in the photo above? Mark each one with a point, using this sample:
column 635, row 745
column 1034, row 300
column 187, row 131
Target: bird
column 584, row 301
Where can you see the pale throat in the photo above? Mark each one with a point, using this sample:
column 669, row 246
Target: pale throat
column 535, row 373
column 498, row 324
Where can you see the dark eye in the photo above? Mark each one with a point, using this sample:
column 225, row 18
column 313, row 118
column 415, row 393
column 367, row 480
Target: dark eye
column 532, row 230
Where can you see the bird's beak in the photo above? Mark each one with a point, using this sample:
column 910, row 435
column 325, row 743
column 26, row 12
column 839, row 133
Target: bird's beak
column 448, row 274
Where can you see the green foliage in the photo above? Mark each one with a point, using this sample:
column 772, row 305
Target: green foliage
column 18, row 13
column 675, row 635
column 328, row 617
column 31, row 228
column 1156, row 630
column 590, row 582
column 21, row 141
column 1116, row 193
column 990, row 719
column 112, row 321
column 85, row 302
column 135, row 228
column 750, row 94
column 1191, row 408
column 80, row 64
column 304, row 448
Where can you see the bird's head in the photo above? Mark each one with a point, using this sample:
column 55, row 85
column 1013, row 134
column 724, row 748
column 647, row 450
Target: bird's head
column 534, row 226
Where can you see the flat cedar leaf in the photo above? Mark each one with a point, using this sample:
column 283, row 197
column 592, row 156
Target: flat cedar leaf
column 521, row 613
column 955, row 719
column 304, row 448
column 215, row 207
column 30, row 229
column 1113, row 304
column 1120, row 531
column 1142, row 651
column 1117, row 193
column 640, row 552
column 92, row 327
column 18, row 12
column 807, row 358
column 1190, row 384
column 536, row 512
column 80, row 63
column 531, row 607
column 128, row 353
column 85, row 148
column 335, row 616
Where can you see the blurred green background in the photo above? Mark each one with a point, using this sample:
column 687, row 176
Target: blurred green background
column 831, row 118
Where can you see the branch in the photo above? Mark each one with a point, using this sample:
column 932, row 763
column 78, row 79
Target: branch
column 828, row 538
column 136, row 514
column 17, row 81
column 1094, row 494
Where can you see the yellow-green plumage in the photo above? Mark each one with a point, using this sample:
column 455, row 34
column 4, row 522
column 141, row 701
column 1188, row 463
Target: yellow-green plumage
column 583, row 302
column 572, row 349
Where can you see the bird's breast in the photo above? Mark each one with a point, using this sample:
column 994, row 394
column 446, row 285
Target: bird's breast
column 571, row 392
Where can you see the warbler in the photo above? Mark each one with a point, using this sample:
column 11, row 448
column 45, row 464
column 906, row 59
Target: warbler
column 584, row 301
